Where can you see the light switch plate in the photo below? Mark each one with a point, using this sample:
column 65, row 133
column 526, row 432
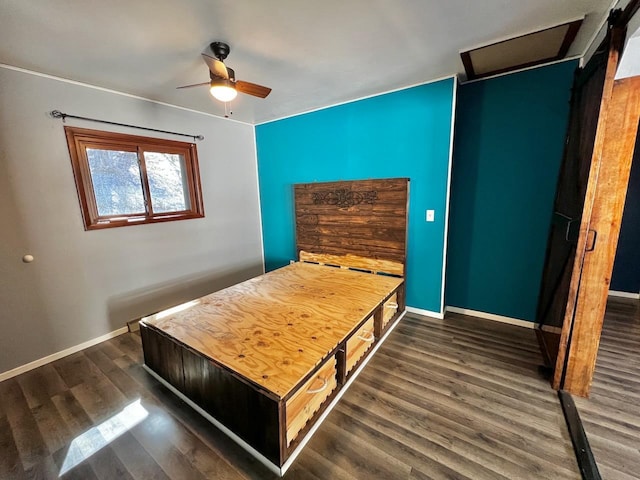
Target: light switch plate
column 431, row 215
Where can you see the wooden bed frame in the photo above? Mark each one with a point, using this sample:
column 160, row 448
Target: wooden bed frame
column 267, row 359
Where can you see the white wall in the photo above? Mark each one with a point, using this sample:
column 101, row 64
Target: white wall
column 85, row 284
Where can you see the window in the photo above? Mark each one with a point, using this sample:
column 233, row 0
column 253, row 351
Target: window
column 127, row 180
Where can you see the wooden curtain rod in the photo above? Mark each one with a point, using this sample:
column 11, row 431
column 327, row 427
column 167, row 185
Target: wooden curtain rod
column 64, row 116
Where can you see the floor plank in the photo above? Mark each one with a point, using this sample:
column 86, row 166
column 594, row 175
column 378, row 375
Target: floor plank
column 10, row 464
column 22, row 423
column 611, row 416
column 459, row 398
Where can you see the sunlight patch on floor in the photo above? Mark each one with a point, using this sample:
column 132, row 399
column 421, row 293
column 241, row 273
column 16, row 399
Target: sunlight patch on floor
column 91, row 441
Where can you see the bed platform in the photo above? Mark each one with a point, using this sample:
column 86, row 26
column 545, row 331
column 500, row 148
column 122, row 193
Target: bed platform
column 265, row 360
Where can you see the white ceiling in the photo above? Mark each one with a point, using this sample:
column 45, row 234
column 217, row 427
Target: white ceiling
column 630, row 61
column 312, row 53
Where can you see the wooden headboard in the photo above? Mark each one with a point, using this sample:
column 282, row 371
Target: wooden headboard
column 359, row 224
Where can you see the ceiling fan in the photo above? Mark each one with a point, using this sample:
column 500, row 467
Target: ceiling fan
column 223, row 83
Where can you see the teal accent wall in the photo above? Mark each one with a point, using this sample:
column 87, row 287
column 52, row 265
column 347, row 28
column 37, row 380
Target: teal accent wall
column 400, row 134
column 508, row 146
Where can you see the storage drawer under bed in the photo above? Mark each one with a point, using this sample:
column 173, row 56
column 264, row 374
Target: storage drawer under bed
column 307, row 400
column 359, row 343
column 389, row 309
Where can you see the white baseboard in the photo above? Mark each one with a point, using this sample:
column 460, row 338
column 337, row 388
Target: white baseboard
column 56, row 356
column 614, row 293
column 492, row 316
column 426, row 313
column 551, row 329
column 134, row 325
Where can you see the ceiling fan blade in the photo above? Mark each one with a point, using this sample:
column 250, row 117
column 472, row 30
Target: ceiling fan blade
column 252, row 89
column 194, row 85
column 216, row 67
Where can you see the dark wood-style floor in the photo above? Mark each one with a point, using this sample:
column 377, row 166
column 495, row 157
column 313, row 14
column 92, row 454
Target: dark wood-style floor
column 611, row 416
column 453, row 399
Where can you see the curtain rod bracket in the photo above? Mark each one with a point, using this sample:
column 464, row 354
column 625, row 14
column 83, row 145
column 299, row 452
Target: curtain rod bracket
column 58, row 114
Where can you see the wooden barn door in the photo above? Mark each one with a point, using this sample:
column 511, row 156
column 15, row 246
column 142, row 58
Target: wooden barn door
column 571, row 236
column 563, row 263
column 582, row 337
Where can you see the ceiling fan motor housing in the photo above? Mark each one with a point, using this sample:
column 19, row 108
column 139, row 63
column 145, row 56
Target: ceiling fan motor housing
column 220, row 50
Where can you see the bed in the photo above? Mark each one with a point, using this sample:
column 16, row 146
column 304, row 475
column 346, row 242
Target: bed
column 266, row 360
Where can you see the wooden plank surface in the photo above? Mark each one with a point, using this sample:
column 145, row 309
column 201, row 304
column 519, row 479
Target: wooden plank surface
column 274, row 329
column 353, row 261
column 606, row 219
column 578, row 171
column 462, row 400
column 584, row 455
column 591, row 195
column 363, row 218
column 610, row 414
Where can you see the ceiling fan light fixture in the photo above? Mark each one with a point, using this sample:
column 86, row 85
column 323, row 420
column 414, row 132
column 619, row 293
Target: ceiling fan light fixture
column 222, row 85
column 223, row 90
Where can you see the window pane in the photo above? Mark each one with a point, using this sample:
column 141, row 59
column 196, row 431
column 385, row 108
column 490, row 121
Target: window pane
column 116, row 182
column 167, row 182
